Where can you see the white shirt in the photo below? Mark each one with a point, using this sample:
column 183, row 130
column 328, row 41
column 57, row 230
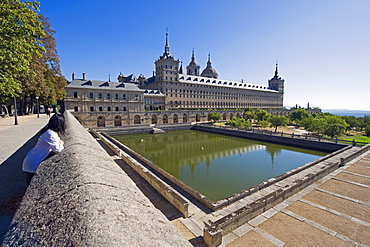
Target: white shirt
column 47, row 142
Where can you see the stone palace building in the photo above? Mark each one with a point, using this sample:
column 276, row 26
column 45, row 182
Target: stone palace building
column 171, row 87
column 190, row 88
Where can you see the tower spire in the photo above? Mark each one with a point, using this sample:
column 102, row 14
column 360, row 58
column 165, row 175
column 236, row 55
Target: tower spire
column 276, row 69
column 209, row 63
column 167, row 47
column 193, row 67
column 166, row 54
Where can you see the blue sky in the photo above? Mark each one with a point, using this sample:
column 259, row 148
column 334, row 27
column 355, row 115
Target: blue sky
column 322, row 46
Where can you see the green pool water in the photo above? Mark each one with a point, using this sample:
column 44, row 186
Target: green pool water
column 217, row 166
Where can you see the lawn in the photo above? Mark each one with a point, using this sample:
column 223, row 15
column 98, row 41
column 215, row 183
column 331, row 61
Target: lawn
column 358, row 138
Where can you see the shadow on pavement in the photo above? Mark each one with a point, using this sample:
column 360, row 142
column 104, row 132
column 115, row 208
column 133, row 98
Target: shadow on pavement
column 13, row 184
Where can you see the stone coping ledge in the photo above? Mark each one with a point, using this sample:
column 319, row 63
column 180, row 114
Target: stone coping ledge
column 282, row 140
column 81, row 197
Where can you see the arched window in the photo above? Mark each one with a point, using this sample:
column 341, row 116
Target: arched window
column 197, row 117
column 137, row 119
column 154, row 119
column 184, row 118
column 117, row 121
column 165, row 118
column 175, row 118
column 101, row 121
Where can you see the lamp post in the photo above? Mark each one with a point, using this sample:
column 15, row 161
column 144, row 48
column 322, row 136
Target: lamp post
column 15, row 112
column 37, row 106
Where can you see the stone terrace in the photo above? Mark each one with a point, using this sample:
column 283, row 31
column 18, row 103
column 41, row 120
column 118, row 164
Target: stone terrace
column 334, row 211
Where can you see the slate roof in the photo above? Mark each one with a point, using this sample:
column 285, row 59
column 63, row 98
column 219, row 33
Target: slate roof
column 93, row 84
column 149, row 92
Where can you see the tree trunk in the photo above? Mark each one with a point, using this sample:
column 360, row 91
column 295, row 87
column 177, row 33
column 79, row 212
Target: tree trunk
column 21, row 109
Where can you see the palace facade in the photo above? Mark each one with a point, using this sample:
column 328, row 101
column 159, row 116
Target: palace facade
column 192, row 89
column 171, row 87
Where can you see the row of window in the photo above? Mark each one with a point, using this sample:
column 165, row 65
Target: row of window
column 202, row 103
column 107, row 96
column 100, row 108
column 240, row 97
column 166, row 66
column 214, row 93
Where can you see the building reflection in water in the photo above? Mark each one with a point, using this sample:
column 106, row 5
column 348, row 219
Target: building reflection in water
column 217, row 165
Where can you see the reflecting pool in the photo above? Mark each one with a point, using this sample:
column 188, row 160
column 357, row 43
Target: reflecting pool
column 217, row 166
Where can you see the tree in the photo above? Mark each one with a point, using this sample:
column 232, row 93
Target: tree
column 314, row 124
column 264, row 124
column 53, row 76
column 249, row 115
column 239, row 123
column 299, row 114
column 214, row 116
column 262, row 115
column 20, row 40
column 363, row 122
column 46, row 80
column 352, row 121
column 335, row 126
column 367, row 130
column 277, row 121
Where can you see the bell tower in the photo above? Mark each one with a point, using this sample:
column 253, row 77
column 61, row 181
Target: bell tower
column 166, row 67
column 276, row 83
column 193, row 67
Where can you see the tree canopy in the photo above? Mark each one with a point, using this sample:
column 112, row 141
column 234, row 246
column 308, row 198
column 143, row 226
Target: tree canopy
column 21, row 34
column 299, row 114
column 277, row 121
column 214, row 116
column 29, row 62
column 46, row 80
column 239, row 123
column 262, row 115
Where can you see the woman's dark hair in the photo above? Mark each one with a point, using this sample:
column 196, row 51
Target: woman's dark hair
column 57, row 123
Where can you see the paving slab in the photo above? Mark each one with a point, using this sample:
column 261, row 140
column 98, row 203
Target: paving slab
column 251, row 238
column 347, row 189
column 355, row 177
column 297, row 233
column 336, row 223
column 359, row 169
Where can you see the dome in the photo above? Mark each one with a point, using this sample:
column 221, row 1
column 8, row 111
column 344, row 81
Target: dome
column 209, row 72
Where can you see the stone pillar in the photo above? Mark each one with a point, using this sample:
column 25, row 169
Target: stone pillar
column 212, row 236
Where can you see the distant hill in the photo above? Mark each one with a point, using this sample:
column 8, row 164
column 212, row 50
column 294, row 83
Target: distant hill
column 346, row 112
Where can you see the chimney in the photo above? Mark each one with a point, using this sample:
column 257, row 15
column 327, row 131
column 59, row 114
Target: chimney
column 153, row 72
column 73, row 76
column 84, row 76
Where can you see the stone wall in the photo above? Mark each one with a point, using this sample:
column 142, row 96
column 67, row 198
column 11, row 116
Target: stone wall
column 295, row 142
column 80, row 197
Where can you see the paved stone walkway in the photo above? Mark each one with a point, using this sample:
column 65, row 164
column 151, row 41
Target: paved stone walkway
column 15, row 142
